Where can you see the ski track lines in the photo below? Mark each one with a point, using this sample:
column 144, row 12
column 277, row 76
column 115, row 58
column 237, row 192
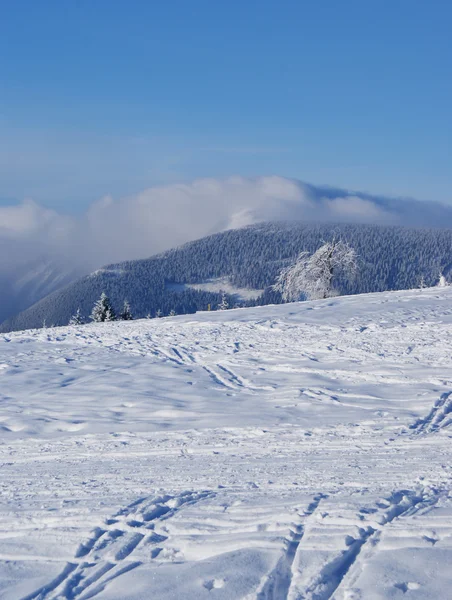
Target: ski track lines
column 438, row 417
column 224, row 376
column 339, row 574
column 107, row 554
column 277, row 585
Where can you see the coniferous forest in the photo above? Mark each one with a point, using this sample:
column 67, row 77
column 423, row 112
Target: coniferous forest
column 389, row 258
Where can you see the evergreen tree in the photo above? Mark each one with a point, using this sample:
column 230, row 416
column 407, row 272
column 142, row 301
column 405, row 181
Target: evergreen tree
column 110, row 314
column 103, row 310
column 76, row 319
column 159, row 314
column 126, row 314
column 442, row 281
column 224, row 304
column 172, row 313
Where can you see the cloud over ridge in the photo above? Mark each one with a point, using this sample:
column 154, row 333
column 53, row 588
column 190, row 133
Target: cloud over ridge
column 162, row 217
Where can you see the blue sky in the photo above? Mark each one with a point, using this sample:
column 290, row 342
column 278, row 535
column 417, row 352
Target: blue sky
column 110, row 97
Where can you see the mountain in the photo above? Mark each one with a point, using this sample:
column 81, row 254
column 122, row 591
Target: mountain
column 239, row 261
column 30, row 276
column 42, row 249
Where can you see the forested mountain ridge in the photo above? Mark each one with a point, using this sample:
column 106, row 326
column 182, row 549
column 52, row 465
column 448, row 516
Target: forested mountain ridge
column 390, row 258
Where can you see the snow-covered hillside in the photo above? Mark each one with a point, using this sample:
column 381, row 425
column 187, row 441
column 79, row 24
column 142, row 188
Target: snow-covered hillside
column 292, row 452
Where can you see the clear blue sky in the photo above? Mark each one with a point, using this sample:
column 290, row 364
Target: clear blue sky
column 109, row 96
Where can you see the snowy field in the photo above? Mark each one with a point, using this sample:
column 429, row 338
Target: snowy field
column 292, row 452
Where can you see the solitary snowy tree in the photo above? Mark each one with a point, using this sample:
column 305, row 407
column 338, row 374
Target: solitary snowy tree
column 312, row 276
column 126, row 313
column 442, row 281
column 77, row 318
column 224, row 304
column 159, row 314
column 172, row 313
column 103, row 310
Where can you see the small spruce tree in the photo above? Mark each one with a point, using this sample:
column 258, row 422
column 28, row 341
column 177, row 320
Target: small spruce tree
column 159, row 314
column 224, row 304
column 126, row 314
column 103, row 310
column 172, row 313
column 77, row 318
column 442, row 281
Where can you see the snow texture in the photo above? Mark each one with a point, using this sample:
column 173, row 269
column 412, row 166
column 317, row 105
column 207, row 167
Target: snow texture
column 300, row 451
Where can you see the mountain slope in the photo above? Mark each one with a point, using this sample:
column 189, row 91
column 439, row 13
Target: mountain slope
column 25, row 280
column 390, row 258
column 295, row 451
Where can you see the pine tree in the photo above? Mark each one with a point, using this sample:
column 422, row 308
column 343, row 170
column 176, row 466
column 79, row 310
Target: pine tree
column 159, row 314
column 110, row 314
column 312, row 275
column 224, row 304
column 172, row 313
column 126, row 314
column 76, row 319
column 103, row 310
column 442, row 281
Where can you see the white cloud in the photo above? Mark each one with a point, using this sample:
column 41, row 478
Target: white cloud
column 159, row 218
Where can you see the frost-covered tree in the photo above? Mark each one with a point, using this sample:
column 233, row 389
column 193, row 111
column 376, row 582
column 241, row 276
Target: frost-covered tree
column 159, row 314
column 442, row 281
column 103, row 310
column 76, row 318
column 172, row 313
column 126, row 313
column 224, row 304
column 312, row 276
column 110, row 314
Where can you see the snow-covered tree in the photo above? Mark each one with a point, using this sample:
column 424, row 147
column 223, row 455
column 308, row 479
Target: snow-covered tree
column 126, row 313
column 103, row 310
column 110, row 314
column 159, row 314
column 172, row 313
column 224, row 304
column 442, row 281
column 312, row 276
column 77, row 318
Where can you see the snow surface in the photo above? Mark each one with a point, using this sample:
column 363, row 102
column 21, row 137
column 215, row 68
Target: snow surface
column 284, row 452
column 218, row 285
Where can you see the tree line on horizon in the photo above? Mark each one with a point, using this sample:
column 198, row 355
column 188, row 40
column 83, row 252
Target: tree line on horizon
column 389, row 258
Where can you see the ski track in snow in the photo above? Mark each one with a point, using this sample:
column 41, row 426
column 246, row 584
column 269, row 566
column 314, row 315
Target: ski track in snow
column 107, row 554
column 278, row 584
column 438, row 417
column 344, row 569
column 297, row 452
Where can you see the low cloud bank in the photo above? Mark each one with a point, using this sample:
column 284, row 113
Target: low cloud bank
column 162, row 217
